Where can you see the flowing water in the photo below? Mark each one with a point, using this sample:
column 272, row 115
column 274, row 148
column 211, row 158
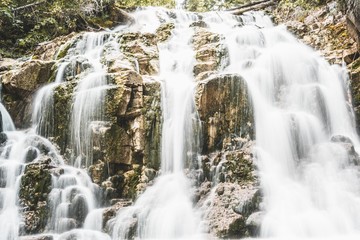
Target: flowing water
column 304, row 124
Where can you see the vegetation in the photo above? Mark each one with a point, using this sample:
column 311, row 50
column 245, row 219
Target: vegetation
column 26, row 23
column 306, row 4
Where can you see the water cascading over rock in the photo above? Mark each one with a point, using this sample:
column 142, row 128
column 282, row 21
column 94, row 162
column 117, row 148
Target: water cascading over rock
column 214, row 124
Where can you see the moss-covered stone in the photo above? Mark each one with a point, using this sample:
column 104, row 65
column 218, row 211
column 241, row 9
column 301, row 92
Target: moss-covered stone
column 152, row 124
column 163, row 33
column 35, row 186
column 62, row 96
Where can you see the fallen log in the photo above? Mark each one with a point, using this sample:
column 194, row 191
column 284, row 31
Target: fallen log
column 28, row 6
column 255, row 6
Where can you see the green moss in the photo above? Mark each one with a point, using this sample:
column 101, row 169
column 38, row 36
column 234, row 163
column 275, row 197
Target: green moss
column 35, row 186
column 62, row 114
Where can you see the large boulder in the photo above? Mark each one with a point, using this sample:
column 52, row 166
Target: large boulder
column 227, row 209
column 35, row 186
column 224, row 109
column 19, row 85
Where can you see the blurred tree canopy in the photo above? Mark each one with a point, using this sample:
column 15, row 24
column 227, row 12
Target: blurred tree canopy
column 25, row 23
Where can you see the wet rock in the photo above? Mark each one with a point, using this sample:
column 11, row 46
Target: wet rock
column 224, row 109
column 348, row 145
column 143, row 48
column 199, row 24
column 98, row 172
column 25, row 80
column 253, row 223
column 3, row 138
column 78, row 209
column 164, row 31
column 62, row 103
column 35, row 185
column 210, row 54
column 31, row 154
column 222, row 220
column 56, row 48
column 353, row 19
column 110, row 212
column 18, row 86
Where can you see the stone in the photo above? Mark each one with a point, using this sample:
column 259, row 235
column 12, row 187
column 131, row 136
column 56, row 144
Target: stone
column 3, row 138
column 143, row 48
column 348, row 145
column 222, row 220
column 224, row 109
column 210, row 54
column 31, row 154
column 110, row 212
column 253, row 223
column 35, row 185
column 56, row 48
column 19, row 84
column 163, row 33
column 38, row 237
column 29, row 77
column 78, row 209
column 7, row 64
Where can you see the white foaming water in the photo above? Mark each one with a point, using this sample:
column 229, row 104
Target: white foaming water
column 88, row 99
column 300, row 103
column 165, row 209
column 43, row 110
column 12, row 163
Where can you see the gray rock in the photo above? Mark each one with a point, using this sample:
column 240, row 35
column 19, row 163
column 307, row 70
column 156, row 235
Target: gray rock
column 253, row 223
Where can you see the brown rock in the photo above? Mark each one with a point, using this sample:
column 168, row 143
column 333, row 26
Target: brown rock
column 224, row 108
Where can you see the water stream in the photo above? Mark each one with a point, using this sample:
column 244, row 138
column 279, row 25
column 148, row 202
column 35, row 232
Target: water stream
column 304, row 124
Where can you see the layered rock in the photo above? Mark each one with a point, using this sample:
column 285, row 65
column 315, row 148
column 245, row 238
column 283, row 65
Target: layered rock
column 224, row 109
column 210, row 53
column 35, row 187
column 19, row 85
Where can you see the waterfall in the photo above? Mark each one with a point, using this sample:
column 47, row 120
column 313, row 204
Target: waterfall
column 306, row 143
column 304, row 132
column 165, row 210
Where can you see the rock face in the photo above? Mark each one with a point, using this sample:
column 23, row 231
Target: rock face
column 19, row 85
column 224, row 109
column 353, row 19
column 210, row 53
column 126, row 142
column 35, row 187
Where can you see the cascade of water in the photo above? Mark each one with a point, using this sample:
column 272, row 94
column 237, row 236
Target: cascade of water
column 43, row 112
column 12, row 162
column 165, row 210
column 302, row 120
column 88, row 99
column 300, row 104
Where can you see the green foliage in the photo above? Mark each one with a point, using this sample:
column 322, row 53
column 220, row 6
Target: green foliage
column 306, row 4
column 137, row 3
column 21, row 29
column 208, row 5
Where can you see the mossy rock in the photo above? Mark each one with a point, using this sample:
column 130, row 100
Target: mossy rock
column 35, row 186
